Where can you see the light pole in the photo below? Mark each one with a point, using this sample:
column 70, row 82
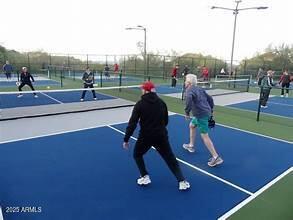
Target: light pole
column 235, row 12
column 139, row 27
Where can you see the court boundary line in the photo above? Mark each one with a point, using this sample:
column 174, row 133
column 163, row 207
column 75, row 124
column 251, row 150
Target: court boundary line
column 58, row 133
column 251, row 132
column 1, row 216
column 172, row 113
column 277, row 103
column 50, row 97
column 252, row 111
column 256, row 194
column 197, row 168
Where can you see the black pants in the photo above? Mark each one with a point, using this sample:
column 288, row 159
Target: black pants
column 23, row 84
column 174, row 81
column 265, row 93
column 8, row 75
column 84, row 91
column 162, row 145
column 285, row 85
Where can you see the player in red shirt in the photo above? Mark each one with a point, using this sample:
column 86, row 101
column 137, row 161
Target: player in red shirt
column 174, row 73
column 205, row 73
column 116, row 69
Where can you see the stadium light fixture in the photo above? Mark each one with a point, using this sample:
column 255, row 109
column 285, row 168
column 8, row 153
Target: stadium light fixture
column 235, row 13
column 140, row 27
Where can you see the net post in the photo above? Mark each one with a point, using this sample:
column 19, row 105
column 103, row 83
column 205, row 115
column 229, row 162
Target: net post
column 61, row 78
column 259, row 104
column 248, row 84
column 101, row 80
column 183, row 89
column 120, row 81
column 48, row 72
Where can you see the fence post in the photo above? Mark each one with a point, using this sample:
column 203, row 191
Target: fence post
column 61, row 78
column 259, row 104
column 164, row 67
column 101, row 80
column 28, row 62
column 120, row 81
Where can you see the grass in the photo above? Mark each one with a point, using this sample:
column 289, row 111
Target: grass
column 278, row 127
column 276, row 201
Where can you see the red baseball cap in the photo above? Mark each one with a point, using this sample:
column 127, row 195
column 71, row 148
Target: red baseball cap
column 148, row 86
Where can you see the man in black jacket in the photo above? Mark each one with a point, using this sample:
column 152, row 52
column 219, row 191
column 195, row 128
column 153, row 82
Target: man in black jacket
column 88, row 82
column 25, row 79
column 152, row 114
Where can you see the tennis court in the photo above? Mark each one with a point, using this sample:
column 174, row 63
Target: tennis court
column 39, row 81
column 278, row 106
column 83, row 172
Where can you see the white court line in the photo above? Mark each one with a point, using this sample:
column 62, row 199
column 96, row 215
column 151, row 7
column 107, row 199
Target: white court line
column 50, row 97
column 61, row 132
column 198, row 169
column 277, row 103
column 92, row 127
column 257, row 134
column 252, row 197
column 255, row 111
column 250, row 132
column 1, row 216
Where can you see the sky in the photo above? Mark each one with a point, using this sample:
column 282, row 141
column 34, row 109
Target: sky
column 185, row 26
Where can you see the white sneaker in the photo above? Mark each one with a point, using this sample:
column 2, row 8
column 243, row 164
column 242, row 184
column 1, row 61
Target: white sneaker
column 282, row 95
column 81, row 100
column 143, row 181
column 36, row 96
column 20, row 95
column 184, row 185
column 263, row 106
column 189, row 148
column 287, row 95
column 95, row 99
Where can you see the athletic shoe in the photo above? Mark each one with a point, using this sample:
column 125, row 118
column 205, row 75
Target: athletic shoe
column 20, row 95
column 215, row 161
column 81, row 100
column 184, row 185
column 287, row 95
column 36, row 96
column 282, row 95
column 188, row 147
column 263, row 106
column 95, row 99
column 143, row 181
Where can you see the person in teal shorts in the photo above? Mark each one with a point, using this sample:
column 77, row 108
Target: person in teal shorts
column 201, row 105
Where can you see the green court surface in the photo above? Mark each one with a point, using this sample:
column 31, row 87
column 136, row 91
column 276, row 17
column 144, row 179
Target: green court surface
column 274, row 203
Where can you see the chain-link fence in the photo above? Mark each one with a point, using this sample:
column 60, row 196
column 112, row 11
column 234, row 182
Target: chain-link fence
column 73, row 65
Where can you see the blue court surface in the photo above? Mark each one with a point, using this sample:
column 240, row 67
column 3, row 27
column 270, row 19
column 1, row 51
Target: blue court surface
column 279, row 106
column 12, row 101
column 87, row 175
column 36, row 83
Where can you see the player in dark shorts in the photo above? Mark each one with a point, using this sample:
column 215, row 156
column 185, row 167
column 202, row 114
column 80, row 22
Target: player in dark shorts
column 88, row 82
column 26, row 79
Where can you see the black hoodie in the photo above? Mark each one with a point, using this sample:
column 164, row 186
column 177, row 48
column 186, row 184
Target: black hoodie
column 152, row 114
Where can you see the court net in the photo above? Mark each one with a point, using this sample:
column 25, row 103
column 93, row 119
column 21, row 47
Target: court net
column 223, row 87
column 226, row 77
column 24, row 104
